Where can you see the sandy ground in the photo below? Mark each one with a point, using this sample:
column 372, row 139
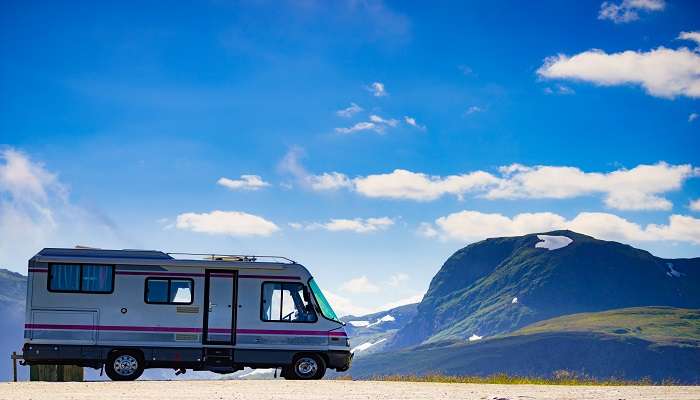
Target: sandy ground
column 266, row 389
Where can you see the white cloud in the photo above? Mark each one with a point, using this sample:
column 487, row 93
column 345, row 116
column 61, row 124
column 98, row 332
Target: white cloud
column 403, row 184
column 377, row 89
column 397, row 279
column 349, row 111
column 375, row 123
column 359, row 285
column 329, row 181
column 357, row 225
column 233, row 223
column 379, row 120
column 427, row 230
column 692, row 36
column 692, row 117
column 466, row 70
column 471, row 226
column 638, row 188
column 361, row 126
column 291, row 164
column 662, row 72
column 412, row 121
column 246, row 182
column 473, row 110
column 36, row 212
column 628, row 10
column 694, row 205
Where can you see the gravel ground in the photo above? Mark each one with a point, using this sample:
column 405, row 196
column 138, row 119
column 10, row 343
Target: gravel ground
column 267, row 389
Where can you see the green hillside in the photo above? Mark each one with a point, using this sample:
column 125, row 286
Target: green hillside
column 661, row 325
column 659, row 343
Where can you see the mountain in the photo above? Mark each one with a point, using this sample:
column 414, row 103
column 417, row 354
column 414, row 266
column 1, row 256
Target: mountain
column 499, row 285
column 13, row 291
column 370, row 333
column 634, row 343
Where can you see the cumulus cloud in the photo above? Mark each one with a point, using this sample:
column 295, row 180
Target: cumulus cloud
column 662, row 72
column 349, row 111
column 36, row 212
column 246, row 182
column 472, row 226
column 412, row 121
column 357, row 225
column 638, row 188
column 329, row 181
column 233, row 223
column 628, row 10
column 377, row 89
column 692, row 117
column 403, row 184
column 359, row 285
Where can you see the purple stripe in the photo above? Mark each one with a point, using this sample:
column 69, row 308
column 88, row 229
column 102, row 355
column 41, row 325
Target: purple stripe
column 149, row 273
column 180, row 329
column 113, row 328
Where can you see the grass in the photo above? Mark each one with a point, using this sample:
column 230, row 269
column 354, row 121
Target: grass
column 657, row 324
column 565, row 378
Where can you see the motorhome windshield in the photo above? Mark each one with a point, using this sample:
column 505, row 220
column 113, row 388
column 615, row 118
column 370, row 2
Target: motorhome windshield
column 323, row 304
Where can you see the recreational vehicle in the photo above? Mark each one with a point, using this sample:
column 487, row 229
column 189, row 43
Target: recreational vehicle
column 127, row 310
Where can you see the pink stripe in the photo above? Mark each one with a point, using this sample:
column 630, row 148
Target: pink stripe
column 113, row 328
column 179, row 329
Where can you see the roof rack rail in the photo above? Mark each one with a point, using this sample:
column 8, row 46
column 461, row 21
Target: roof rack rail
column 237, row 257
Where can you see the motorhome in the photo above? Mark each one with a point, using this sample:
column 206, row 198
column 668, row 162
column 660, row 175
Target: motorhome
column 127, row 310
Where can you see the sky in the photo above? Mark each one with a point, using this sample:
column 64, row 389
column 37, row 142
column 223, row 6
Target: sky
column 367, row 140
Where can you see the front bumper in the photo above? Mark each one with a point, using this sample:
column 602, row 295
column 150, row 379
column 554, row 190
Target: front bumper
column 339, row 360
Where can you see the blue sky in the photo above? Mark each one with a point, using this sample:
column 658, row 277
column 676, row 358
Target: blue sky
column 472, row 120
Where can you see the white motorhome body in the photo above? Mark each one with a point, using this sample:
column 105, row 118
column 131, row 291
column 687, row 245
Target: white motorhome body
column 128, row 310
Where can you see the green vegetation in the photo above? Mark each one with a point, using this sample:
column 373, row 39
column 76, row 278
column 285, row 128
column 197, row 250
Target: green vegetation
column 562, row 377
column 662, row 325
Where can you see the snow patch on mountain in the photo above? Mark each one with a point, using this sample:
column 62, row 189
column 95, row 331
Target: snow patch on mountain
column 359, row 324
column 672, row 272
column 386, row 318
column 475, row 337
column 366, row 345
column 550, row 242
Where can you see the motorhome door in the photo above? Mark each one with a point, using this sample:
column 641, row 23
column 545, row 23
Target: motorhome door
column 220, row 315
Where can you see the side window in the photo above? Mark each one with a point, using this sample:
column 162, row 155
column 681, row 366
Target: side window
column 81, row 278
column 286, row 302
column 169, row 291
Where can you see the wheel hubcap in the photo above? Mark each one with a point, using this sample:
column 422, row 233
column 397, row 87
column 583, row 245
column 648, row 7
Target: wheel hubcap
column 125, row 365
column 307, row 366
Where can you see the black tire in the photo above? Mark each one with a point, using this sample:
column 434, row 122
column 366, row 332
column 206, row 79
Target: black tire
column 124, row 365
column 306, row 367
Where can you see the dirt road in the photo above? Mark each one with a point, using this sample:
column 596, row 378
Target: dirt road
column 267, row 389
